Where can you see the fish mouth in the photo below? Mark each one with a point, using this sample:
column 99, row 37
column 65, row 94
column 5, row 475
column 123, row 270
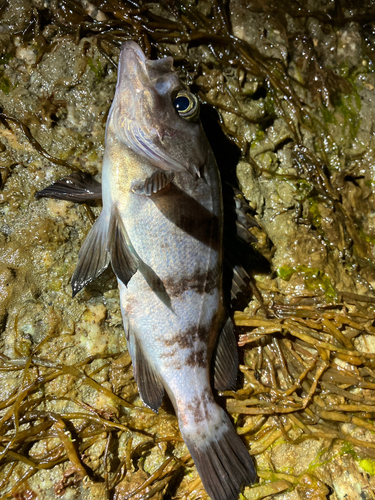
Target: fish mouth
column 158, row 73
column 132, row 64
column 130, row 46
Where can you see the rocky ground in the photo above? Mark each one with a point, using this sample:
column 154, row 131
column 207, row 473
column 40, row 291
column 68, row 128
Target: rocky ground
column 287, row 95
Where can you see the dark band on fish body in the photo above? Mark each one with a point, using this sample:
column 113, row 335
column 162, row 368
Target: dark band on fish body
column 197, row 358
column 170, row 354
column 187, row 338
column 82, row 187
column 199, row 406
column 201, row 282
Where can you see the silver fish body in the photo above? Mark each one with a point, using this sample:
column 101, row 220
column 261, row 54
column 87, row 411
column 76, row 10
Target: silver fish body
column 161, row 229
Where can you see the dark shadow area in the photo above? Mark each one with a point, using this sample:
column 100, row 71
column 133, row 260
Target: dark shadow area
column 226, row 153
column 106, row 281
column 174, row 484
column 240, row 257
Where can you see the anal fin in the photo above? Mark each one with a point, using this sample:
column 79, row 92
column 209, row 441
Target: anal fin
column 225, row 358
column 93, row 257
column 157, row 181
column 124, row 260
column 77, row 187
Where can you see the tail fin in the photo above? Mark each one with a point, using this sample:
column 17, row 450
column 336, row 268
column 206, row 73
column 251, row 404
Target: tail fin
column 221, row 458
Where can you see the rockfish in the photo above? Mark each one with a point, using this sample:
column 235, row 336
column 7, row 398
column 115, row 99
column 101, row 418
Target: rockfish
column 161, row 230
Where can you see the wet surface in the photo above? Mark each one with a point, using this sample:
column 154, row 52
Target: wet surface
column 287, row 99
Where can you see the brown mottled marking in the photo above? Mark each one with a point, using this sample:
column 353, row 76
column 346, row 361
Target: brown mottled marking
column 197, row 358
column 187, row 338
column 201, row 282
column 199, row 407
column 169, row 354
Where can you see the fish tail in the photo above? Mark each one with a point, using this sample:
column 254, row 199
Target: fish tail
column 222, row 460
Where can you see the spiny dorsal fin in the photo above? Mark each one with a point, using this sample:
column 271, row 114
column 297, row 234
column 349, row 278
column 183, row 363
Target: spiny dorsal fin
column 157, row 181
column 123, row 259
column 93, row 257
column 225, row 358
column 240, row 280
column 77, row 187
column 244, row 221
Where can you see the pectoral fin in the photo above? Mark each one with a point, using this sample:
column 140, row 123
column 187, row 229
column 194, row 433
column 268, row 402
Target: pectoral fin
column 225, row 358
column 157, row 181
column 149, row 383
column 123, row 257
column 93, row 257
column 77, row 187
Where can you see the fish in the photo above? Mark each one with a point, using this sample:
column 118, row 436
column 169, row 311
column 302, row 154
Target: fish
column 161, row 229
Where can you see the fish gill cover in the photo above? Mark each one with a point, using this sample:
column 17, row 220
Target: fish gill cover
column 287, row 94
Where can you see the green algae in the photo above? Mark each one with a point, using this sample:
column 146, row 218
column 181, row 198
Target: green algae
column 315, row 213
column 366, row 237
column 96, row 68
column 346, row 109
column 5, row 58
column 259, row 137
column 303, row 188
column 346, row 104
column 317, row 462
column 368, row 466
column 285, row 272
column 348, row 449
column 5, row 85
column 314, row 279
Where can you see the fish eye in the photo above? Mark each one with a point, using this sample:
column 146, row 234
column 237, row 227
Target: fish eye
column 186, row 105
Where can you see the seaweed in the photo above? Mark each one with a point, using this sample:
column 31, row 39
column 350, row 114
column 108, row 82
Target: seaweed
column 306, row 375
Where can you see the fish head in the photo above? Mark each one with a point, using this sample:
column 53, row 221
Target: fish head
column 147, row 113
